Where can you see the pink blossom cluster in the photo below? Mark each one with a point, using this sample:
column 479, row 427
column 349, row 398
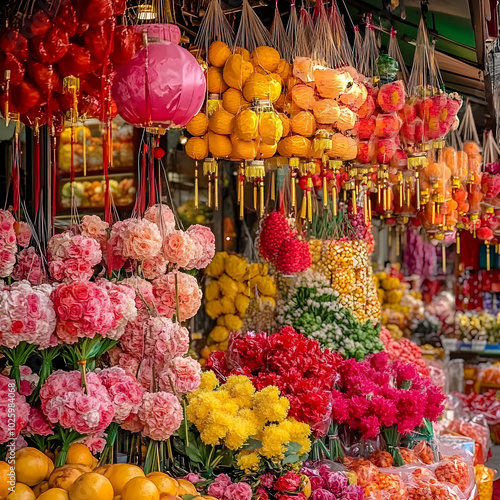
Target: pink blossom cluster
column 8, row 247
column 22, row 410
column 23, row 233
column 141, row 240
column 378, row 392
column 95, row 442
column 122, row 299
column 83, row 309
column 161, row 415
column 224, row 489
column 27, row 315
column 28, row 379
column 118, row 357
column 189, row 295
column 124, row 391
column 72, row 257
column 94, row 227
column 64, row 401
column 37, row 424
column 29, row 266
column 162, row 216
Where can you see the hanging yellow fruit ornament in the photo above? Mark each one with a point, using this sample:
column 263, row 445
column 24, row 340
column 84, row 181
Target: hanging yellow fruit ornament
column 347, row 119
column 197, row 148
column 232, row 100
column 198, row 125
column 294, row 145
column 260, row 86
column 215, row 82
column 326, row 111
column 244, row 150
column 304, row 123
column 221, row 122
column 236, row 71
column 267, row 58
column 219, row 145
column 267, row 151
column 340, row 146
column 246, row 125
column 218, row 52
column 270, row 128
column 331, row 83
column 303, row 96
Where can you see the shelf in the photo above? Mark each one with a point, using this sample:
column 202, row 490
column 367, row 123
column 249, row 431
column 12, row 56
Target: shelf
column 94, row 173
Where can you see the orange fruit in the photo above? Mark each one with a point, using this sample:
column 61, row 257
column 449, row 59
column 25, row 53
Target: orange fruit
column 21, row 492
column 64, row 476
column 221, row 122
column 54, row 494
column 219, row 145
column 266, row 57
column 120, row 474
column 232, row 100
column 140, row 488
column 186, row 488
column 79, row 454
column 215, row 82
column 197, row 148
column 40, row 488
column 163, row 482
column 5, row 479
column 91, row 486
column 198, row 125
column 236, row 71
column 32, row 466
column 218, row 52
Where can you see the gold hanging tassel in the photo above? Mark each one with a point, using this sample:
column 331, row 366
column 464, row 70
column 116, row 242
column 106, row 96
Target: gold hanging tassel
column 209, row 191
column 334, row 197
column 365, row 206
column 216, row 186
column 488, row 256
column 309, row 199
column 303, row 207
column 255, row 195
column 418, row 190
column 325, row 192
column 444, row 257
column 6, row 113
column 389, row 236
column 458, row 243
column 273, row 185
column 369, row 208
column 241, row 180
column 261, row 193
column 398, row 242
column 196, row 185
column 433, row 212
column 239, row 183
column 294, row 190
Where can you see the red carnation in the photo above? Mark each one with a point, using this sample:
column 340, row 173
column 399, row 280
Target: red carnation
column 274, row 231
column 289, row 482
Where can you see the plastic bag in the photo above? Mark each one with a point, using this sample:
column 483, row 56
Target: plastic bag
column 484, row 481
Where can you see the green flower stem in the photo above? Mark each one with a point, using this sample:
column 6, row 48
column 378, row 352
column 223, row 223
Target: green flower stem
column 48, row 355
column 18, row 356
column 392, row 438
column 107, row 453
column 67, row 438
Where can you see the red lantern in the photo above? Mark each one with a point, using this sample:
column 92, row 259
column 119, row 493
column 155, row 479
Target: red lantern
column 98, row 39
column 52, row 46
column 42, row 75
column 175, row 86
column 126, row 42
column 16, row 68
column 12, row 42
column 66, row 18
column 76, row 62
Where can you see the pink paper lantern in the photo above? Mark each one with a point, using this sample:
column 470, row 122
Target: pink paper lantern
column 175, row 86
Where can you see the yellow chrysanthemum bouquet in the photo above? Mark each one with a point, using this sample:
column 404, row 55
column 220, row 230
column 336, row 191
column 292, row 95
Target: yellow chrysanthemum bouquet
column 237, row 426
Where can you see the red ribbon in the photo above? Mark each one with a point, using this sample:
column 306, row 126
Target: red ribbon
column 36, row 161
column 152, row 192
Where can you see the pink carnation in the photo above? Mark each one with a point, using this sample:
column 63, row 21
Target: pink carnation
column 95, row 442
column 7, row 263
column 117, row 357
column 178, row 248
column 132, row 424
column 7, row 389
column 132, row 341
column 124, row 391
column 114, row 250
column 238, row 491
column 72, row 257
column 184, row 374
column 83, row 309
column 165, row 222
column 8, row 247
column 122, row 300
column 188, row 290
column 26, row 315
column 142, row 240
column 23, row 234
column 29, row 267
column 161, row 414
column 38, row 424
column 204, row 238
column 154, row 267
column 165, row 341
column 94, row 227
column 64, row 401
column 144, row 297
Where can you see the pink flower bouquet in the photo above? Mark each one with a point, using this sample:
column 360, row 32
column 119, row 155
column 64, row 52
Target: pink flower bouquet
column 8, row 247
column 21, row 415
column 29, row 267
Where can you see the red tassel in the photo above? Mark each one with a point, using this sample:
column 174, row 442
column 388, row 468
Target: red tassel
column 54, row 184
column 36, row 161
column 142, row 191
column 152, row 192
column 16, row 175
column 105, row 163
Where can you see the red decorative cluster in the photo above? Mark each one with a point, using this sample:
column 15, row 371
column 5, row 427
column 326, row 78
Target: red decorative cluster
column 404, row 349
column 304, row 373
column 77, row 38
column 280, row 245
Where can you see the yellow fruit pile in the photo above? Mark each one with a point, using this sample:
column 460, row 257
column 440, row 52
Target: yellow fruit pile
column 236, row 126
column 234, row 282
column 345, row 263
column 81, row 479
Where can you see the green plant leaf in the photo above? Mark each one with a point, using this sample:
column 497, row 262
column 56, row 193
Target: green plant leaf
column 253, row 444
column 293, row 447
column 194, row 454
column 290, row 459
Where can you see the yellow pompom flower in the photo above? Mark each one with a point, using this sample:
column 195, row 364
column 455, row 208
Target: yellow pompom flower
column 228, row 286
column 216, row 267
column 238, row 433
column 241, row 303
column 208, row 381
column 299, row 433
column 274, row 440
column 228, row 306
column 221, row 321
column 213, row 308
column 219, row 333
column 266, row 286
column 236, row 267
column 240, row 388
column 248, row 460
column 212, row 290
column 233, row 323
column 269, row 406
